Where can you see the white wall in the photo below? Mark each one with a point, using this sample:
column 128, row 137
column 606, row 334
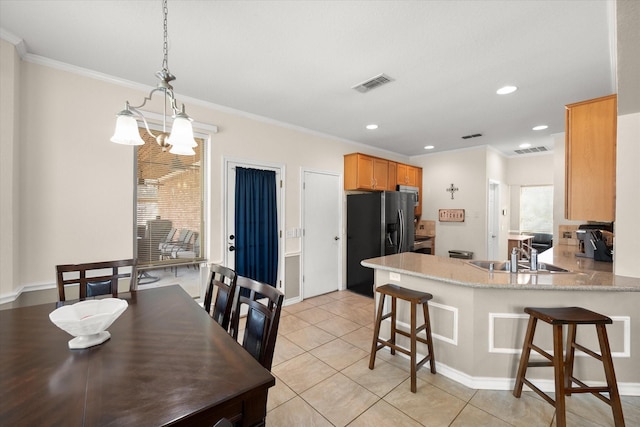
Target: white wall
column 627, row 239
column 497, row 170
column 466, row 169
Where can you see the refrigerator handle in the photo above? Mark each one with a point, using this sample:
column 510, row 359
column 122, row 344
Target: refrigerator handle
column 401, row 237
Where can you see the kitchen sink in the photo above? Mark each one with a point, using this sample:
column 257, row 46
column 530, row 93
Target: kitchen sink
column 523, row 267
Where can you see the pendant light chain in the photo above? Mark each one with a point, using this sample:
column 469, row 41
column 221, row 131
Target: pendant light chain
column 165, row 46
column 181, row 138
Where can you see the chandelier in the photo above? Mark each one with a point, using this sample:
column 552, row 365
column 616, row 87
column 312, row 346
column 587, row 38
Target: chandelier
column 180, row 138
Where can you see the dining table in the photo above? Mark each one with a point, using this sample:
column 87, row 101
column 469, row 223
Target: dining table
column 167, row 363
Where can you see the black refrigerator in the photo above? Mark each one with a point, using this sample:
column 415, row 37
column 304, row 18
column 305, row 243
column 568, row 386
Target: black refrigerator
column 380, row 223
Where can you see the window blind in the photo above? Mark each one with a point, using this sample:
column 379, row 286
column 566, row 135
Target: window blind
column 169, row 205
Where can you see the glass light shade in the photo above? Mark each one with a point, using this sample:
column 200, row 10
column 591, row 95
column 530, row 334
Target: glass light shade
column 182, row 132
column 182, row 150
column 126, row 132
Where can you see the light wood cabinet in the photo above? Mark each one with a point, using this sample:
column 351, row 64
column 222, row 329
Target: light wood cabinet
column 393, row 175
column 408, row 175
column 590, row 159
column 362, row 172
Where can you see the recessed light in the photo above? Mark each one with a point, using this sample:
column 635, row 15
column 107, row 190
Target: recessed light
column 429, row 147
column 372, row 126
column 541, row 127
column 505, row 90
column 524, row 145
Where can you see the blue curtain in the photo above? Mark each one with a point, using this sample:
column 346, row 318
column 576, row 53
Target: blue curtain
column 256, row 225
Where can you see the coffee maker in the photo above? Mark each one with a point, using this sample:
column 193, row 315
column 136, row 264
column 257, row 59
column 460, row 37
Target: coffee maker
column 595, row 240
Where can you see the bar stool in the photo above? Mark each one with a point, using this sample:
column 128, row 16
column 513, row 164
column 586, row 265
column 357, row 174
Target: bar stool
column 563, row 369
column 414, row 298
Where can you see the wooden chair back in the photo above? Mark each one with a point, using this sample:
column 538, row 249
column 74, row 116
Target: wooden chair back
column 264, row 303
column 222, row 281
column 92, row 279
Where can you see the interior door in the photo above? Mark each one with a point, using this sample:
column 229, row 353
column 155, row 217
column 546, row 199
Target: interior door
column 493, row 221
column 321, row 240
column 229, row 215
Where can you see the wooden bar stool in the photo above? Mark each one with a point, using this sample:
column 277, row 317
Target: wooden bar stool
column 563, row 369
column 414, row 298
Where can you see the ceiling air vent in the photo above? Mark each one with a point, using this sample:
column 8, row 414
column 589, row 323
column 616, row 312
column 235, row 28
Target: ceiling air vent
column 531, row 150
column 372, row 83
column 475, row 135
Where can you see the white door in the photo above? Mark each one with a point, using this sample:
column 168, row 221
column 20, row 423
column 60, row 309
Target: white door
column 229, row 209
column 493, row 221
column 321, row 237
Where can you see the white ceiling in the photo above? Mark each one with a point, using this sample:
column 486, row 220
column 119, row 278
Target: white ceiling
column 295, row 61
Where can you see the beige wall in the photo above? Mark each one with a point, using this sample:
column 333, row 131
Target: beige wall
column 74, row 188
column 9, row 154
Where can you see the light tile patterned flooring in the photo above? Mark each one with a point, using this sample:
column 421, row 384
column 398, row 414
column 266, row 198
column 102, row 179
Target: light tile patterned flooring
column 321, row 365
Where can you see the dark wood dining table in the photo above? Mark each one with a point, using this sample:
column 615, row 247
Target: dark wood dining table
column 167, row 363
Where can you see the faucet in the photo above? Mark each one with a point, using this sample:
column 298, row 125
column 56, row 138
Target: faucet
column 533, row 259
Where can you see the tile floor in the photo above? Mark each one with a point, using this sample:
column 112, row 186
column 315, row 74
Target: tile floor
column 323, row 379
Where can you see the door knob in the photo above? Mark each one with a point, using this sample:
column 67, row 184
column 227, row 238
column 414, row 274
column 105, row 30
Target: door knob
column 232, row 248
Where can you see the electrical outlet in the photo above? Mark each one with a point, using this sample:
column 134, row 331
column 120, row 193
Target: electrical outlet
column 566, row 234
column 394, row 277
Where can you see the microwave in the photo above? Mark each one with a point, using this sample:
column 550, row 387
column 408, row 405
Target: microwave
column 410, row 189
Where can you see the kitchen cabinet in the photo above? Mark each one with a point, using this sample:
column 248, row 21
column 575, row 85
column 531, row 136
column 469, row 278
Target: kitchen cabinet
column 393, row 175
column 590, row 159
column 362, row 172
column 408, row 175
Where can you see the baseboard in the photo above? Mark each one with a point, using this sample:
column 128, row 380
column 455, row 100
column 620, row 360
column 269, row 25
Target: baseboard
column 11, row 297
column 495, row 383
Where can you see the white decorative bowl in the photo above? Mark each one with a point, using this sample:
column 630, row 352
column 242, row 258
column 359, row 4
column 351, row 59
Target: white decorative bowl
column 88, row 320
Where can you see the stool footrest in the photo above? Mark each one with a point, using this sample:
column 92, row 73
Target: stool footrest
column 386, row 316
column 539, row 364
column 541, row 393
column 385, row 343
column 408, row 335
column 588, row 351
column 584, row 388
column 423, row 361
column 541, row 352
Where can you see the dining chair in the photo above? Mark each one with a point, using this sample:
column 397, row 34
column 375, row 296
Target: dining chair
column 222, row 281
column 264, row 303
column 92, row 278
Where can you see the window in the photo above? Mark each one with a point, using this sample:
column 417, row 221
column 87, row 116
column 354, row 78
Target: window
column 169, row 205
column 536, row 209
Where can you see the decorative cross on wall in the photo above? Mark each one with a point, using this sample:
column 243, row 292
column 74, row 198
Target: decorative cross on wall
column 452, row 190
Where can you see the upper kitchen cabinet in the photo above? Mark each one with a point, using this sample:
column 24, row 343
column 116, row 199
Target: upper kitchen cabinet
column 362, row 172
column 590, row 159
column 408, row 175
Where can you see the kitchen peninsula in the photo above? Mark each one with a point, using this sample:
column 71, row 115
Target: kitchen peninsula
column 478, row 322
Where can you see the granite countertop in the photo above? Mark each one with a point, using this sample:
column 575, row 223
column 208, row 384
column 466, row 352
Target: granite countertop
column 586, row 274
